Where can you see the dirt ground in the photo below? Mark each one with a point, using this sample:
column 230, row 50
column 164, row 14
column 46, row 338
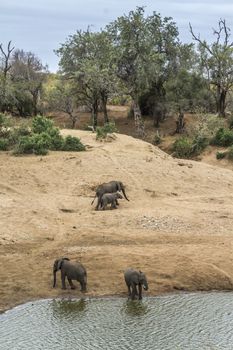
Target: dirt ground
column 177, row 227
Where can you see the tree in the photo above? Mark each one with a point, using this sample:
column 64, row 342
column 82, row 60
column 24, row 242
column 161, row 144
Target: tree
column 86, row 60
column 4, row 72
column 27, row 75
column 216, row 62
column 145, row 48
column 60, row 96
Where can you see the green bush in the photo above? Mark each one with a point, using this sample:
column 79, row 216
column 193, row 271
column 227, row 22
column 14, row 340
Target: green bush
column 57, row 141
column 182, row 148
column 4, row 144
column 223, row 137
column 72, row 144
column 221, row 155
column 199, row 144
column 36, row 143
column 43, row 136
column 230, row 153
column 102, row 131
column 41, row 124
column 157, row 139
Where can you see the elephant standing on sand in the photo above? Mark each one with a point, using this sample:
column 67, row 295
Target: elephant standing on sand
column 110, row 198
column 71, row 270
column 134, row 279
column 109, row 187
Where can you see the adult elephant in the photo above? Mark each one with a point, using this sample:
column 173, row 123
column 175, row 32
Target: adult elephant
column 135, row 280
column 71, row 270
column 109, row 187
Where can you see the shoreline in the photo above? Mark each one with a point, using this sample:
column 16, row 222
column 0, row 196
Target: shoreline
column 73, row 297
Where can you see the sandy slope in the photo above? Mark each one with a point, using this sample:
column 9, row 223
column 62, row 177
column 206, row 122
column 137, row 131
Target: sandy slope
column 177, row 226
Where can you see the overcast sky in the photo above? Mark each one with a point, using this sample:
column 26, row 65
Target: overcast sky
column 41, row 26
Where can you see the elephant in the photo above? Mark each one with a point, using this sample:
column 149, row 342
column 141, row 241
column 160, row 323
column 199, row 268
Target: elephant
column 134, row 278
column 109, row 187
column 110, row 198
column 71, row 270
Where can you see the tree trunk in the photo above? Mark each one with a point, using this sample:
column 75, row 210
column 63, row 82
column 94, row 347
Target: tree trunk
column 139, row 123
column 34, row 103
column 94, row 112
column 104, row 100
column 73, row 120
column 180, row 123
column 222, row 104
column 221, row 101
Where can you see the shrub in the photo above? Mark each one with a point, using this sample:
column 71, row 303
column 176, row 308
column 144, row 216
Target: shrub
column 36, row 143
column 182, row 148
column 157, row 139
column 41, row 124
column 230, row 153
column 102, row 131
column 221, row 155
column 57, row 141
column 4, row 144
column 73, row 144
column 199, row 144
column 223, row 137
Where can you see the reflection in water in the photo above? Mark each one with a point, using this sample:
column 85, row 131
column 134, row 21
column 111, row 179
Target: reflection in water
column 135, row 308
column 70, row 308
column 201, row 321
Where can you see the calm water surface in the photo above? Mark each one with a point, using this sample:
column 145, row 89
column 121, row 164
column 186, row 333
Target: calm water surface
column 183, row 321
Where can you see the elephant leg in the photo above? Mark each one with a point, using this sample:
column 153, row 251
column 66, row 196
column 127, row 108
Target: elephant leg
column 113, row 205
column 63, row 280
column 72, row 286
column 140, row 291
column 134, row 291
column 98, row 204
column 83, row 287
column 117, row 203
column 129, row 291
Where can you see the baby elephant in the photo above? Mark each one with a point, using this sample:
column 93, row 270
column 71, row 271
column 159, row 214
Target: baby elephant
column 134, row 278
column 110, row 198
column 71, row 270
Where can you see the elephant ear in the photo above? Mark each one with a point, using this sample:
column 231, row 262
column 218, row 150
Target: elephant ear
column 119, row 186
column 60, row 262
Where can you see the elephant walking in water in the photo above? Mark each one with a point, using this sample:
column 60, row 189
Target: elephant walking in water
column 135, row 279
column 71, row 270
column 109, row 187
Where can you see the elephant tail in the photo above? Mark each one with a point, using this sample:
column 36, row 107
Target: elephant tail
column 94, row 199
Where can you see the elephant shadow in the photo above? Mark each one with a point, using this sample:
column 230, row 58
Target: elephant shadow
column 134, row 308
column 68, row 308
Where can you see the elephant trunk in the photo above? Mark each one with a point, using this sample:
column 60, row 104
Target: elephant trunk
column 54, row 278
column 145, row 285
column 93, row 199
column 123, row 191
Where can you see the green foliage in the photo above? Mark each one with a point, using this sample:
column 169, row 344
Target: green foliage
column 182, row 148
column 37, row 143
column 4, row 144
column 57, row 140
column 230, row 153
column 42, row 137
column 102, row 131
column 41, row 124
column 157, row 139
column 199, row 143
column 223, row 137
column 221, row 155
column 73, row 144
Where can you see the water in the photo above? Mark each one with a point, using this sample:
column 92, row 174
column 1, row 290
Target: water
column 185, row 321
